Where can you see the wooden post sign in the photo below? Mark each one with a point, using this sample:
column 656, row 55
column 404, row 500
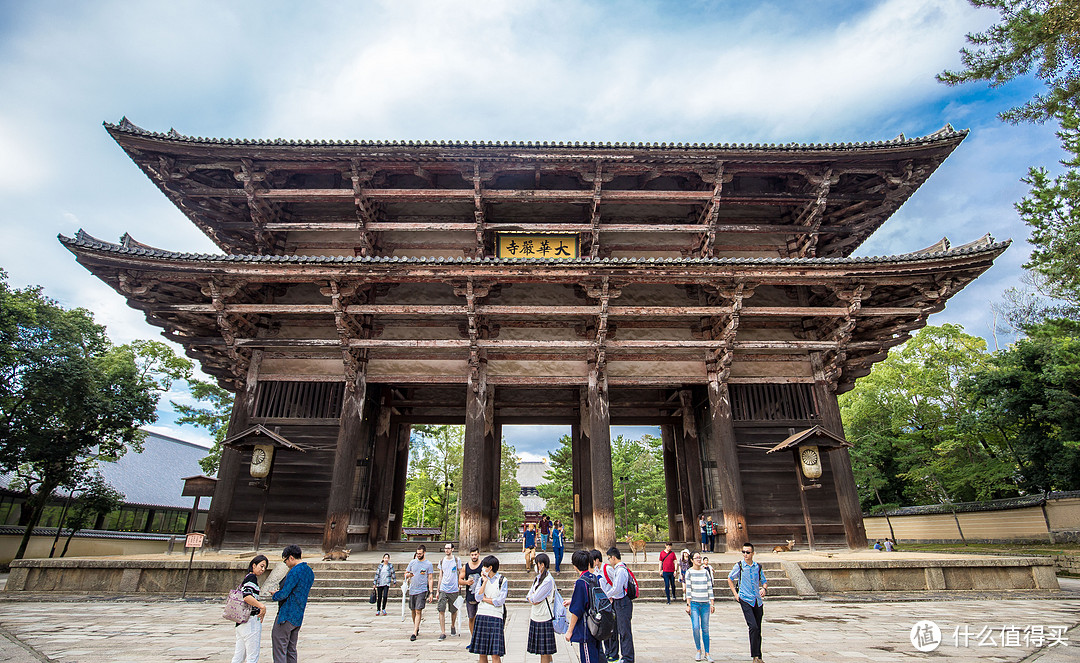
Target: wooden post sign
column 194, row 540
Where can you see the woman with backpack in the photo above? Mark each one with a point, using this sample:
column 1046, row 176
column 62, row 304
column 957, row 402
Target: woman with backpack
column 578, row 607
column 487, row 636
column 249, row 633
column 540, row 596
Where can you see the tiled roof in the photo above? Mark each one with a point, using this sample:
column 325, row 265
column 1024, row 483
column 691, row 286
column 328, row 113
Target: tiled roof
column 947, row 132
column 153, row 478
column 531, row 473
column 84, row 240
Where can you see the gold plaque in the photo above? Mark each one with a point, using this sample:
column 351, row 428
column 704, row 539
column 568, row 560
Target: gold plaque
column 537, row 246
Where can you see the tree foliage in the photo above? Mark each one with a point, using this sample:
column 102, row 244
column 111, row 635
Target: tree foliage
column 511, row 511
column 1031, row 392
column 911, row 421
column 1033, row 36
column 98, row 499
column 212, row 413
column 638, row 477
column 67, row 396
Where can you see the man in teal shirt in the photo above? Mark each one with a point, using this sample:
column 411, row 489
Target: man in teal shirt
column 751, row 595
column 292, row 601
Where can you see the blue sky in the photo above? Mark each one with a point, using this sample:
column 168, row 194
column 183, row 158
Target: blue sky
column 627, row 71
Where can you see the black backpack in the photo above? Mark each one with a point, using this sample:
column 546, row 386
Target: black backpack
column 600, row 615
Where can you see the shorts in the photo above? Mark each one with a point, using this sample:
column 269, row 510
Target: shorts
column 471, row 608
column 418, row 601
column 447, row 599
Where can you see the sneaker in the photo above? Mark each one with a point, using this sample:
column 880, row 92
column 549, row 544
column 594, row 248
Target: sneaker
column 708, row 658
column 697, row 656
column 442, row 636
column 412, row 638
column 453, row 631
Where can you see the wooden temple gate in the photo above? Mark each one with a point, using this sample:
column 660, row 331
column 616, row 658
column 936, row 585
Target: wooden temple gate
column 366, row 287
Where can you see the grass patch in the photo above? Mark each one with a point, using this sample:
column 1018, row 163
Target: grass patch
column 998, row 548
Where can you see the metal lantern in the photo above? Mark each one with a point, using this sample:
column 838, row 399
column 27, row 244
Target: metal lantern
column 811, row 461
column 262, row 455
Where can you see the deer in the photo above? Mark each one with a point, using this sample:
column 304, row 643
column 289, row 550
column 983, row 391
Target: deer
column 336, row 555
column 788, row 547
column 636, row 546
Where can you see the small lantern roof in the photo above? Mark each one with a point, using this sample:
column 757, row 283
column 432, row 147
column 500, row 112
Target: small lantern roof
column 816, row 436
column 259, row 434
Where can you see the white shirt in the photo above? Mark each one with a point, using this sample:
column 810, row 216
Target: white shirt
column 539, row 595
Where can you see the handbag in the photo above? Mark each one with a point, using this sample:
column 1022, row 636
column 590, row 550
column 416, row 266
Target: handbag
column 374, row 596
column 235, row 609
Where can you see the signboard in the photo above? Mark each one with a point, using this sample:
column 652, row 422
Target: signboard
column 545, row 246
column 194, row 540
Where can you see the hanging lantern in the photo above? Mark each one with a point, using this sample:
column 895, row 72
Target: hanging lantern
column 261, row 457
column 811, row 461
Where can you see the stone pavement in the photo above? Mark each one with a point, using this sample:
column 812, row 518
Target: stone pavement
column 97, row 629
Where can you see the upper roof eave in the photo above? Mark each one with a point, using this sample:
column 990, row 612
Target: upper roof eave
column 125, row 130
column 85, row 243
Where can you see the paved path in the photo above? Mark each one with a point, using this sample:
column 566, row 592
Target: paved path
column 91, row 631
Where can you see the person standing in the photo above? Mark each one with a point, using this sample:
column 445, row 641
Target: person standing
column 609, row 647
column 558, row 540
column 712, row 529
column 470, row 579
column 488, row 638
column 684, row 564
column 578, row 606
column 420, row 576
column 449, row 570
column 699, row 605
column 751, row 595
column 704, row 533
column 615, row 580
column 541, row 594
column 529, row 538
column 384, row 577
column 667, row 571
column 292, row 599
column 545, row 531
column 249, row 633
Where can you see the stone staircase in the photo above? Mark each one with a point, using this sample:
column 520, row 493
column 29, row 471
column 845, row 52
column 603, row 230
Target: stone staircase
column 352, row 581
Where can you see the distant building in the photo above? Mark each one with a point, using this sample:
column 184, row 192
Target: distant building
column 530, row 475
column 151, row 482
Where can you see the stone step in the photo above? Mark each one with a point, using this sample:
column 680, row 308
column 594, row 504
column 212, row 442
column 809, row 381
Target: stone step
column 362, row 593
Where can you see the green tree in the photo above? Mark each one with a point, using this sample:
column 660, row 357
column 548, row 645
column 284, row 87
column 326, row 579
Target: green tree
column 97, row 499
column 67, row 396
column 638, row 478
column 511, row 512
column 1033, row 36
column 433, row 482
column 1031, row 391
column 911, row 420
column 212, row 413
column 558, row 491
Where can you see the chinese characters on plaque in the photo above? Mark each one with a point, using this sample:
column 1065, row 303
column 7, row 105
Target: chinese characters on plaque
column 546, row 246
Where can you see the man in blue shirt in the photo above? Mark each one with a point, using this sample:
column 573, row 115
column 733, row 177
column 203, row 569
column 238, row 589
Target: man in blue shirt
column 292, row 601
column 751, row 595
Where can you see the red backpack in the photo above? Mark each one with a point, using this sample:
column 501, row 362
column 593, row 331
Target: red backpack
column 631, row 582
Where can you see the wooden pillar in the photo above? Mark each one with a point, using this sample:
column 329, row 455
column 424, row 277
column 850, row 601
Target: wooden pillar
column 603, row 488
column 401, row 469
column 382, row 475
column 686, row 504
column 582, row 491
column 495, row 536
column 474, row 528
column 726, row 454
column 695, row 465
column 343, row 475
column 847, row 493
column 230, row 468
column 671, row 482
